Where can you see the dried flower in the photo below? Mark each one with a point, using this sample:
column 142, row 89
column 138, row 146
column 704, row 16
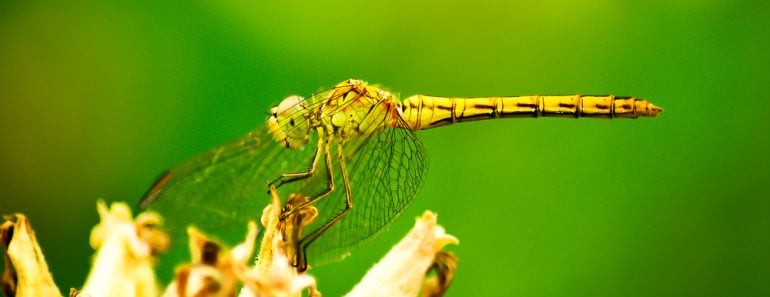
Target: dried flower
column 273, row 274
column 125, row 253
column 215, row 270
column 123, row 264
column 402, row 271
column 26, row 272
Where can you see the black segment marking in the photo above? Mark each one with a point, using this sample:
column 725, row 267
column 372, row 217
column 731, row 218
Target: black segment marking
column 444, row 121
column 502, row 106
column 453, row 111
column 540, row 106
column 612, row 107
column 483, row 106
column 579, row 107
column 476, row 117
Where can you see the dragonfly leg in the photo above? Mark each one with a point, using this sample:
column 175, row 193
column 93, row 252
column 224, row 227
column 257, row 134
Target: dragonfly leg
column 329, row 188
column 304, row 243
column 295, row 176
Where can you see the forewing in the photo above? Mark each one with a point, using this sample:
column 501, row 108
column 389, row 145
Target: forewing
column 223, row 188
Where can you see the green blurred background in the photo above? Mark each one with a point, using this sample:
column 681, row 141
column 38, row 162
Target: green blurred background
column 97, row 99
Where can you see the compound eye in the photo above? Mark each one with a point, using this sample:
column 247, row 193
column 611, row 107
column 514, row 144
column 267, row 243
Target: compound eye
column 289, row 104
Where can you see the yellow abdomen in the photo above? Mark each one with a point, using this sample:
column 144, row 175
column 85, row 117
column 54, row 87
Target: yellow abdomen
column 424, row 112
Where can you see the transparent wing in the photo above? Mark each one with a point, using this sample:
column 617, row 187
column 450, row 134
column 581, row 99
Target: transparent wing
column 386, row 169
column 220, row 190
column 224, row 187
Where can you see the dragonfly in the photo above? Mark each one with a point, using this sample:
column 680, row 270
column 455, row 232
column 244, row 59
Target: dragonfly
column 352, row 149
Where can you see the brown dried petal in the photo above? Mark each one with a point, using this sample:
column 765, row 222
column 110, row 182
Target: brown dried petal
column 444, row 265
column 214, row 270
column 26, row 272
column 273, row 274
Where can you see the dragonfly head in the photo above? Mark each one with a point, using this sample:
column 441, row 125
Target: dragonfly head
column 289, row 122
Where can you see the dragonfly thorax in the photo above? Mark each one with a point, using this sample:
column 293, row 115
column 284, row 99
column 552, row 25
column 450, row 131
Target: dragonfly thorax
column 289, row 122
column 357, row 110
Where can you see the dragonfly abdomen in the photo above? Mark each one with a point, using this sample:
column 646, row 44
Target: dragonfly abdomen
column 424, row 112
